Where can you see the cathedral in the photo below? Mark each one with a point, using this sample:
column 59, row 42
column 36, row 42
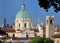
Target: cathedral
column 23, row 27
column 24, row 30
column 23, row 23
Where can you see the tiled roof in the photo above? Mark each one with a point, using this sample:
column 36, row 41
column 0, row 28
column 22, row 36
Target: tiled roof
column 32, row 29
column 57, row 29
column 13, row 30
column 22, row 38
column 36, row 30
column 56, row 35
column 8, row 29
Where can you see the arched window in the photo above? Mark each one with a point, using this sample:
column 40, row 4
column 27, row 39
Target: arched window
column 25, row 25
column 27, row 35
column 51, row 21
column 47, row 21
column 13, row 35
column 19, row 24
column 35, row 34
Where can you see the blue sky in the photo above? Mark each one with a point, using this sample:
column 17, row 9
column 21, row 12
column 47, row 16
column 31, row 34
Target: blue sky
column 9, row 9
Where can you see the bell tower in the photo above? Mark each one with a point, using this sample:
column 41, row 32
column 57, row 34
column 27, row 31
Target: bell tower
column 49, row 26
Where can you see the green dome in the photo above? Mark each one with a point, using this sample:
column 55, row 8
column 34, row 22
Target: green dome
column 23, row 14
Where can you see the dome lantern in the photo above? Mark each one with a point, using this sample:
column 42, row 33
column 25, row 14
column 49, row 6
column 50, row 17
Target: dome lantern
column 23, row 7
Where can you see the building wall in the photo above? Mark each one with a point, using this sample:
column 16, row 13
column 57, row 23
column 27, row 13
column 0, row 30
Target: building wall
column 8, row 40
column 40, row 28
column 21, row 41
column 11, row 33
column 41, row 31
column 18, row 34
column 57, row 40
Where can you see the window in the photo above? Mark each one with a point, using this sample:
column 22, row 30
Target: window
column 25, row 25
column 13, row 35
column 47, row 21
column 35, row 35
column 51, row 22
column 26, row 35
column 19, row 25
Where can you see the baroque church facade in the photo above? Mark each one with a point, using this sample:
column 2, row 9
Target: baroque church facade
column 23, row 23
column 24, row 31
column 23, row 26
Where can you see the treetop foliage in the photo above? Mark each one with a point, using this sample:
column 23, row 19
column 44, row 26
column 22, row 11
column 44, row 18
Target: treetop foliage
column 46, row 4
column 41, row 40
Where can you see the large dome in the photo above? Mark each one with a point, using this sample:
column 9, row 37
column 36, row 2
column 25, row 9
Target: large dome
column 23, row 13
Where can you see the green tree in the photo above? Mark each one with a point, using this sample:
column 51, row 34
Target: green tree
column 41, row 40
column 37, row 40
column 46, row 4
column 47, row 40
column 2, row 41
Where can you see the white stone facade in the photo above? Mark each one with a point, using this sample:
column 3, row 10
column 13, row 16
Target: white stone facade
column 23, row 21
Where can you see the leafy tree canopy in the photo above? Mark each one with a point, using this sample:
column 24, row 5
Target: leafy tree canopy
column 41, row 40
column 2, row 41
column 46, row 4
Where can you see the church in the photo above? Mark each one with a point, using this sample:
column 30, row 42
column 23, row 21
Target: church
column 23, row 27
column 24, row 30
column 23, row 23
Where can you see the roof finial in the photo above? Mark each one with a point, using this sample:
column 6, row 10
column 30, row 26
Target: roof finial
column 23, row 7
